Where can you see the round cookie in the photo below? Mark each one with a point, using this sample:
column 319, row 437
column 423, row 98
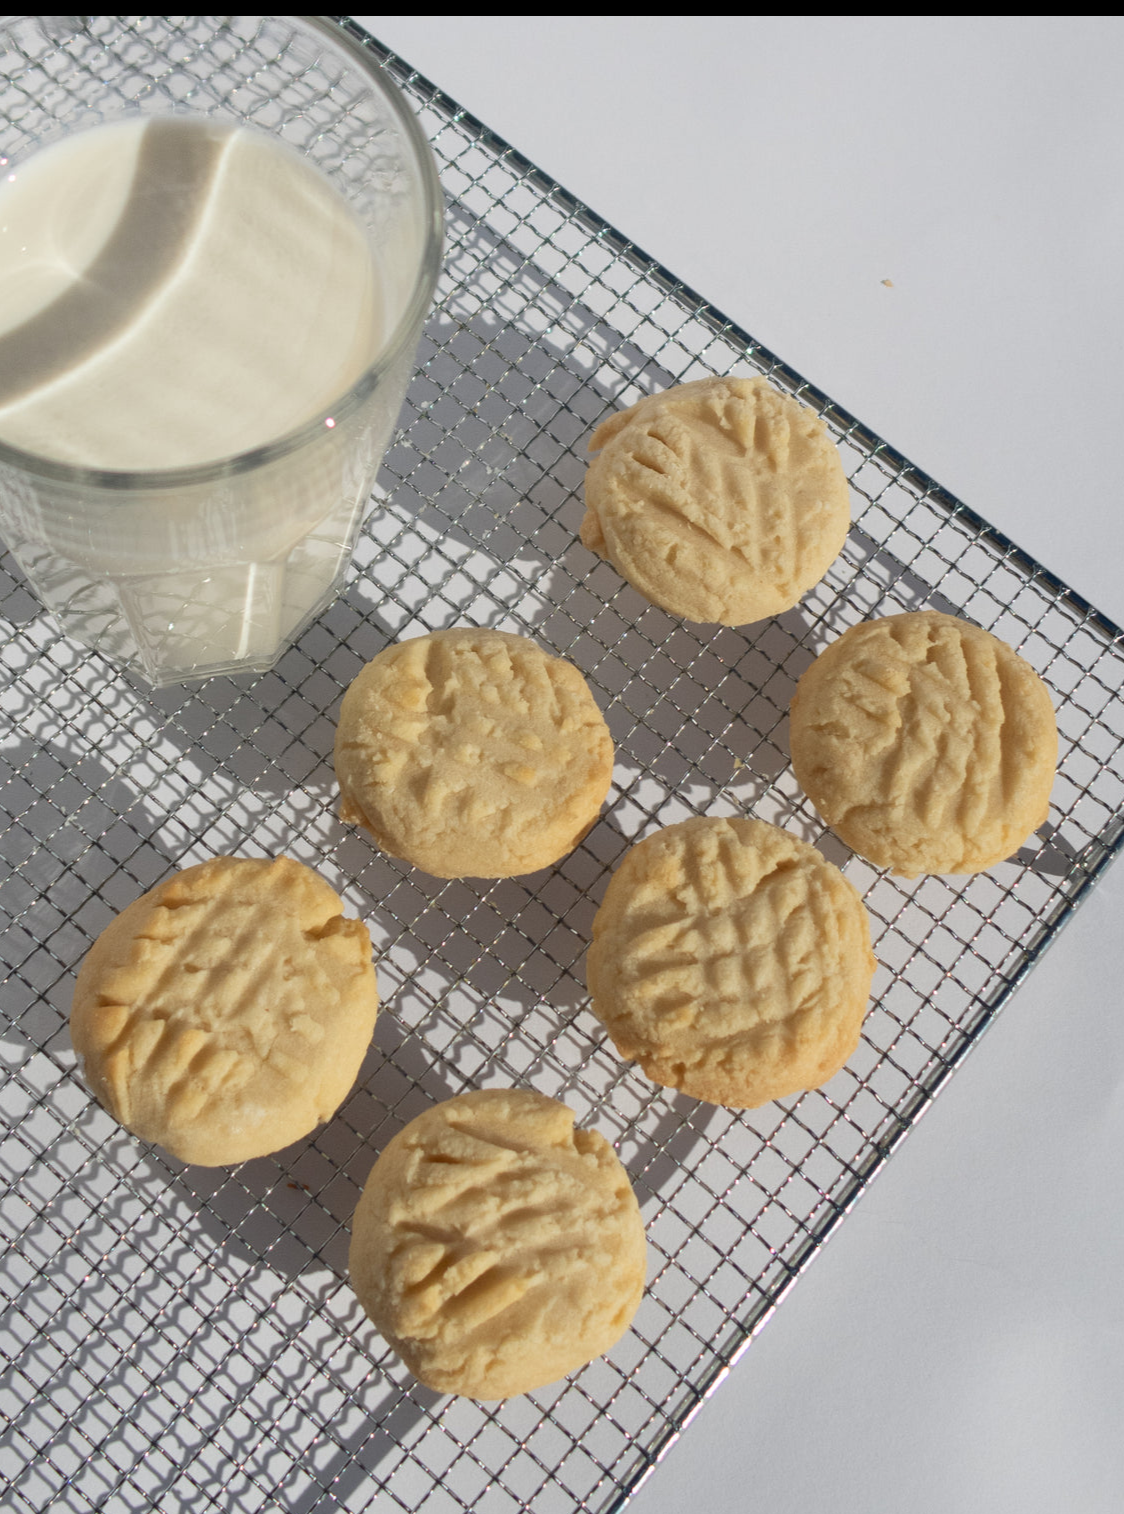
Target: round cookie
column 496, row 1247
column 732, row 961
column 927, row 744
column 225, row 1013
column 472, row 753
column 720, row 500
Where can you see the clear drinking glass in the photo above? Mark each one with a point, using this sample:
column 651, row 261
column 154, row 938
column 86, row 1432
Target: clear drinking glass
column 188, row 572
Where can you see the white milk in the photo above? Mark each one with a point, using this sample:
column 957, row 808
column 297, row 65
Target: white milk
column 173, row 291
column 176, row 291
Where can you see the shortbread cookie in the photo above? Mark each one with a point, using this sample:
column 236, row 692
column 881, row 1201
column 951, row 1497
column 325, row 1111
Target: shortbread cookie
column 927, row 744
column 472, row 754
column 720, row 500
column 496, row 1247
column 225, row 1013
column 732, row 961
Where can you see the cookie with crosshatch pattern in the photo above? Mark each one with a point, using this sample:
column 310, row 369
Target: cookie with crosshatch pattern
column 225, row 1013
column 472, row 753
column 720, row 500
column 495, row 1246
column 926, row 743
column 732, row 961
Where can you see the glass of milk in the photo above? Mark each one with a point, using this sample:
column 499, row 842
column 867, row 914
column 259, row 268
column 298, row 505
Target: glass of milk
column 219, row 239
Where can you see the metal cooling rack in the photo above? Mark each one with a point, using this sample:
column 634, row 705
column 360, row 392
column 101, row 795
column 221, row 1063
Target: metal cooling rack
column 177, row 1338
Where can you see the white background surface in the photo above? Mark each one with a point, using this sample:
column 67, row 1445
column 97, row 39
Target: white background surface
column 959, row 1346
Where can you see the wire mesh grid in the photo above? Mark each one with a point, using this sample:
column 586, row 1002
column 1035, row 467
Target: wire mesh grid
column 178, row 1337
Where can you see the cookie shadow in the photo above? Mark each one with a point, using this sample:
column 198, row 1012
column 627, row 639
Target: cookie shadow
column 290, row 1213
column 217, row 1292
column 279, row 1226
column 513, row 373
column 79, row 844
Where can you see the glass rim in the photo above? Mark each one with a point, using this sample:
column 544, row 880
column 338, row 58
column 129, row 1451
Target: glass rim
column 340, row 409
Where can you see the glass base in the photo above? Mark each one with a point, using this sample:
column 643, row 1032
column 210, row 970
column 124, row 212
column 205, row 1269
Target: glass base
column 197, row 622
